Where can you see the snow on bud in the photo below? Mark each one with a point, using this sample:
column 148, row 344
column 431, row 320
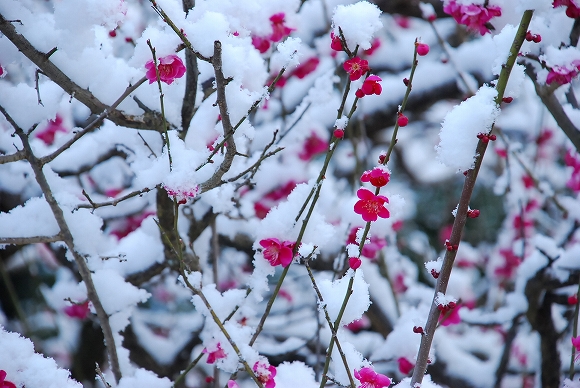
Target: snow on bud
column 358, row 22
column 458, row 135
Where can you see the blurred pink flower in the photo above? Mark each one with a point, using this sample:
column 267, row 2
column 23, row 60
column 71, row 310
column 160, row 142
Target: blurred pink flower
column 572, row 10
column 265, row 373
column 280, row 30
column 214, row 355
column 5, row 383
column 371, row 379
column 371, row 248
column 371, row 206
column 261, row 44
column 48, row 134
column 476, row 17
column 233, row 384
column 563, row 74
column 80, row 310
column 170, row 68
column 335, row 43
column 276, row 252
column 313, row 146
column 405, row 366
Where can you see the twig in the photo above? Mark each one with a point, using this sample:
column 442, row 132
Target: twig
column 14, row 298
column 93, row 124
column 40, row 59
column 30, row 240
column 332, row 326
column 461, row 216
column 161, row 102
column 220, row 81
column 69, row 241
column 114, row 202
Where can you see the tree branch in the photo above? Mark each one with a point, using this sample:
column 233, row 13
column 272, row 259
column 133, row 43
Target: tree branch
column 30, row 240
column 150, row 120
column 67, row 237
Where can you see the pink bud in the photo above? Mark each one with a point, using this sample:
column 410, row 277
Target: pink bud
column 422, row 49
column 507, row 100
column 402, row 120
column 354, row 262
column 338, row 133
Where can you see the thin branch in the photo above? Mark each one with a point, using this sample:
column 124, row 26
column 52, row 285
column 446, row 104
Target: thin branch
column 220, row 81
column 67, row 237
column 114, row 202
column 88, row 167
column 93, row 124
column 30, row 240
column 19, row 155
column 147, row 121
column 463, row 206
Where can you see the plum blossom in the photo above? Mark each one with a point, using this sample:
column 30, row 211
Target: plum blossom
column 277, row 252
column 371, row 379
column 572, row 9
column 378, row 176
column 370, row 86
column 576, row 344
column 563, row 74
column 335, row 42
column 263, row 206
column 233, row 384
column 354, row 262
column 476, row 17
column 2, row 72
column 405, row 366
column 48, row 134
column 182, row 194
column 77, row 310
column 371, row 247
column 5, row 383
column 313, row 146
column 280, row 30
column 356, row 67
column 371, row 206
column 214, row 355
column 265, row 373
column 170, row 68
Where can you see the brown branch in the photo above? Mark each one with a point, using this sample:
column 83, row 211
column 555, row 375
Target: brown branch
column 114, row 202
column 30, row 240
column 220, row 80
column 547, row 96
column 93, row 124
column 88, row 167
column 149, row 121
column 19, row 155
column 67, row 237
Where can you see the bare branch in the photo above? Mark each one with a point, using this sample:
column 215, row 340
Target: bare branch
column 67, row 237
column 92, row 125
column 114, row 202
column 30, row 240
column 147, row 121
column 220, row 80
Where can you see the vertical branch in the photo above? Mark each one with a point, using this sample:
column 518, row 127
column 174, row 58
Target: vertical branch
column 461, row 216
column 221, row 83
column 69, row 241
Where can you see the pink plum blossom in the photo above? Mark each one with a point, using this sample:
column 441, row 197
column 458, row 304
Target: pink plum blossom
column 356, row 67
column 5, row 383
column 405, row 366
column 277, row 252
column 370, row 86
column 371, row 206
column 77, row 310
column 371, row 379
column 48, row 134
column 265, row 373
column 280, row 29
column 170, row 68
column 214, row 355
column 378, row 176
column 476, row 17
column 313, row 146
